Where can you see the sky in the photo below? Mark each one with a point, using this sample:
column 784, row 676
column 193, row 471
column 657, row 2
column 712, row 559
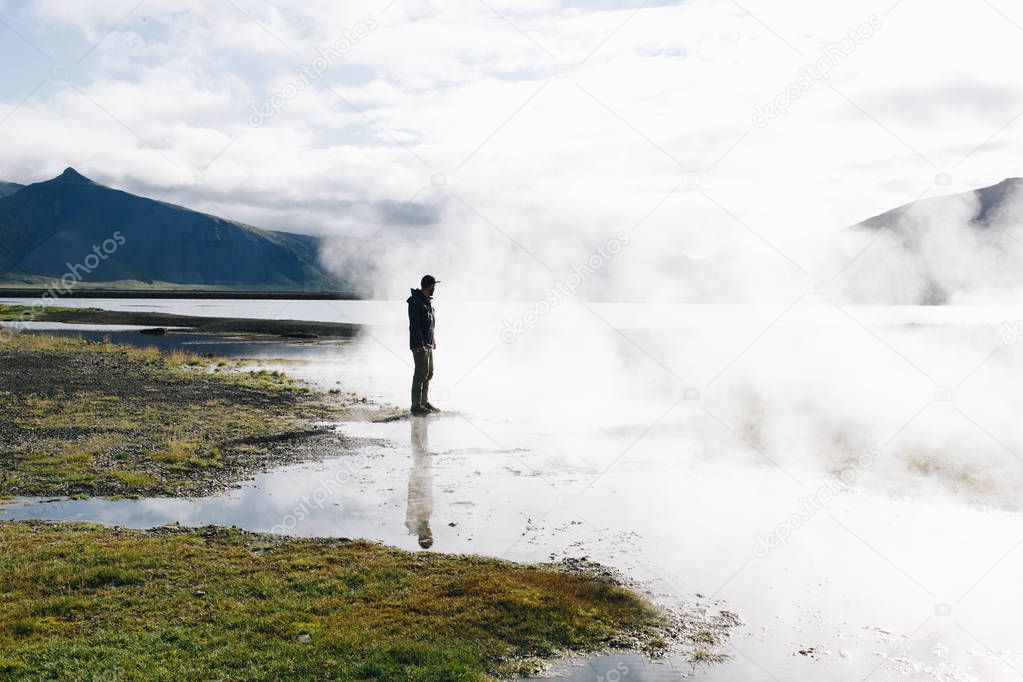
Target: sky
column 525, row 133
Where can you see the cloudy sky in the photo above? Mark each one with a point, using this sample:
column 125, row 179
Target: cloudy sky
column 548, row 126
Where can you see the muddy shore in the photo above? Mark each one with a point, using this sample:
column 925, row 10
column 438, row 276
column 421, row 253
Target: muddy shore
column 79, row 418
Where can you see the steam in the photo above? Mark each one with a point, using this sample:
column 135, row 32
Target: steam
column 943, row 250
column 807, row 368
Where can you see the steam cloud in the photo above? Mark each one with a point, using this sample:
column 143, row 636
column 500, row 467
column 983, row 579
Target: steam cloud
column 790, row 375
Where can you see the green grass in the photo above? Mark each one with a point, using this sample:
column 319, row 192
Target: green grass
column 81, row 602
column 702, row 656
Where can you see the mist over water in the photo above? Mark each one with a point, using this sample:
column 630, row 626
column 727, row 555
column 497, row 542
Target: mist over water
column 807, row 388
column 778, row 362
column 792, row 372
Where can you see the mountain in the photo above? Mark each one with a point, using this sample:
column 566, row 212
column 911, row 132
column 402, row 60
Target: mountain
column 8, row 188
column 990, row 202
column 48, row 226
column 957, row 248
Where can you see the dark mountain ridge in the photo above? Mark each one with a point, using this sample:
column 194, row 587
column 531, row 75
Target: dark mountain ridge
column 51, row 227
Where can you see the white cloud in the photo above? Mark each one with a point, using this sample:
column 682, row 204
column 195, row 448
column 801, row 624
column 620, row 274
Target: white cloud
column 663, row 91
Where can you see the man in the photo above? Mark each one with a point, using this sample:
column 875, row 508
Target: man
column 422, row 343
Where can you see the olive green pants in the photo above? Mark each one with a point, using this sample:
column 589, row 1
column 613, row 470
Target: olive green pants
column 421, row 377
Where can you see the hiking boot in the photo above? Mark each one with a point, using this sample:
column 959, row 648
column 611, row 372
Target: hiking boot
column 420, row 411
column 430, row 407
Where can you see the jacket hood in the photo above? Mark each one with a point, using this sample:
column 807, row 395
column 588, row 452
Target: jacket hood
column 417, row 294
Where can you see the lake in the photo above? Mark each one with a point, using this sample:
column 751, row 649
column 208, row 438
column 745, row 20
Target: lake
column 846, row 479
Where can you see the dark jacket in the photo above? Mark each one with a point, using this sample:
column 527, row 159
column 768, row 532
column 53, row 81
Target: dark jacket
column 420, row 320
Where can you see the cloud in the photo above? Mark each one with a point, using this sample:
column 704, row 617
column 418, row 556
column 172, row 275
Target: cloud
column 536, row 127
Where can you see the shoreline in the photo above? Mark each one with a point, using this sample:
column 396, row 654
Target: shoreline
column 79, row 292
column 161, row 321
column 81, row 418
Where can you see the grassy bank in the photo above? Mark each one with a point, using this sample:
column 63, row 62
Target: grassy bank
column 81, row 418
column 85, row 602
column 25, row 313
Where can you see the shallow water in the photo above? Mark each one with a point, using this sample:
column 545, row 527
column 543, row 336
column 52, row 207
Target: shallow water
column 587, row 444
column 829, row 587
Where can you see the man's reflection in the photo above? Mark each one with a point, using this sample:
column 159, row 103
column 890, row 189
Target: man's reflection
column 420, row 484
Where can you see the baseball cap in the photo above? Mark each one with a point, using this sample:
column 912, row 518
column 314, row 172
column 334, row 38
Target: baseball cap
column 427, row 280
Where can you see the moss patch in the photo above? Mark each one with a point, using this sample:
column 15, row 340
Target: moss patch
column 26, row 313
column 82, row 601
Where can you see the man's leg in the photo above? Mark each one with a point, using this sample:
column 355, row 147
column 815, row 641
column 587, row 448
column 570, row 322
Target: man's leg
column 419, row 375
column 428, row 375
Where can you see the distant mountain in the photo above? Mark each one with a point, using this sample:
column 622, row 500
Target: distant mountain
column 957, row 248
column 990, row 202
column 47, row 226
column 9, row 188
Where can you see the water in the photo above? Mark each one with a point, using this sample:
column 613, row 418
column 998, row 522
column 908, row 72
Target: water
column 699, row 457
column 635, row 315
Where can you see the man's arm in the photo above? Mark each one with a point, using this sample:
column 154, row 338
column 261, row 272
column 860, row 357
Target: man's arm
column 415, row 320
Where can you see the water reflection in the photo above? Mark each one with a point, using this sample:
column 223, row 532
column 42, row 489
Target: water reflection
column 420, row 484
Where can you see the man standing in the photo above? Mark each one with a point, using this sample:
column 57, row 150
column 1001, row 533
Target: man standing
column 422, row 343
